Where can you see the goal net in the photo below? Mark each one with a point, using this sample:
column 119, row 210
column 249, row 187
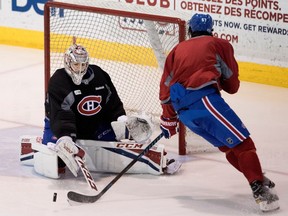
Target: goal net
column 130, row 46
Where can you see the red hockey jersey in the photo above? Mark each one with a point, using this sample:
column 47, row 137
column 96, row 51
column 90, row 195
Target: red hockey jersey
column 199, row 62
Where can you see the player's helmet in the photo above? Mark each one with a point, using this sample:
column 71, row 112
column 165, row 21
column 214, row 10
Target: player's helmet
column 76, row 61
column 201, row 23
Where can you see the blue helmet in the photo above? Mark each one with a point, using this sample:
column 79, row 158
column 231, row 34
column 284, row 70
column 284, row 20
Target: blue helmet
column 201, row 22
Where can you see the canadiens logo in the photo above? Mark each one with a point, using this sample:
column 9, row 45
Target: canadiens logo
column 89, row 105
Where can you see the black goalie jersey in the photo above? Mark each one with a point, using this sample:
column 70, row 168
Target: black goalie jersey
column 81, row 109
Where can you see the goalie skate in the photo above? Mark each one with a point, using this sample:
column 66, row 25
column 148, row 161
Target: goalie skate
column 172, row 167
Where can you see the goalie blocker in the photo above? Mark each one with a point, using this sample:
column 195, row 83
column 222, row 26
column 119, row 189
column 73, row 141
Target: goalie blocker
column 101, row 156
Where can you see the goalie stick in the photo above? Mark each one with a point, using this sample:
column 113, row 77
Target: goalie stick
column 89, row 179
column 81, row 198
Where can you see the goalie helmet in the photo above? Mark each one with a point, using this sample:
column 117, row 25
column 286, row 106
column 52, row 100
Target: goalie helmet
column 76, row 61
column 201, row 23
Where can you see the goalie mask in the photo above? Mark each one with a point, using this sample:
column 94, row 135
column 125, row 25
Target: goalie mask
column 76, row 61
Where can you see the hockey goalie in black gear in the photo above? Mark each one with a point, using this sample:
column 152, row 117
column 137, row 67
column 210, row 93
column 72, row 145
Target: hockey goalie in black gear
column 84, row 114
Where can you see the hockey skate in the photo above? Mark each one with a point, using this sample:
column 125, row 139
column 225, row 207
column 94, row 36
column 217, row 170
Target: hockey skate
column 267, row 182
column 264, row 195
column 172, row 166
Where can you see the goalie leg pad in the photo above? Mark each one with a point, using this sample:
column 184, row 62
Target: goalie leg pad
column 26, row 150
column 45, row 161
column 46, row 165
column 113, row 157
column 34, row 153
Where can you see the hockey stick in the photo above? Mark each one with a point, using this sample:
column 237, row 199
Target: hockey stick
column 81, row 198
column 86, row 173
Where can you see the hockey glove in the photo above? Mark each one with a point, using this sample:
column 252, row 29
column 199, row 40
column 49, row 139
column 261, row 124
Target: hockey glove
column 168, row 126
column 140, row 128
column 137, row 127
column 66, row 149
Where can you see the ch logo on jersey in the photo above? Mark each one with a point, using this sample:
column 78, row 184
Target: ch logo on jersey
column 90, row 105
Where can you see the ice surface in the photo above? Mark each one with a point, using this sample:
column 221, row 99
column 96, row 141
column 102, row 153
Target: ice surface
column 206, row 184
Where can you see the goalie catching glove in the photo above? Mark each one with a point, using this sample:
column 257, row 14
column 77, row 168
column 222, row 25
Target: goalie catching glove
column 66, row 149
column 168, row 126
column 137, row 127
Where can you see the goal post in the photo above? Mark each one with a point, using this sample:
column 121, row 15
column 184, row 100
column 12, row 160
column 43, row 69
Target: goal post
column 131, row 46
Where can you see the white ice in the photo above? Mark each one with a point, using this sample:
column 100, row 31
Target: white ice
column 205, row 185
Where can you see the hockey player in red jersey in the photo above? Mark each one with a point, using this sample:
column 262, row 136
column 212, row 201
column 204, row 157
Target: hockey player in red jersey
column 195, row 72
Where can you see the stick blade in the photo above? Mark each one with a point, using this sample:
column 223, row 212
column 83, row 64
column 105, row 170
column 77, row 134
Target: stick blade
column 81, row 198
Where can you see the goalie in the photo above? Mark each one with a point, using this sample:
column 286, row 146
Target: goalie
column 85, row 117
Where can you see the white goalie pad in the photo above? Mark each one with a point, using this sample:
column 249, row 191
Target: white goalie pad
column 45, row 161
column 26, row 151
column 34, row 153
column 113, row 157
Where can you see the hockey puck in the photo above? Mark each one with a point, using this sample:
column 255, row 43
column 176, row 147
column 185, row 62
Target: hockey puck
column 54, row 197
